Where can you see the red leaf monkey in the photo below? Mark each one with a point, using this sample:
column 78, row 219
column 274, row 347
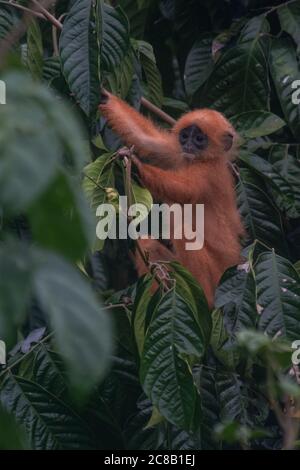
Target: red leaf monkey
column 186, row 165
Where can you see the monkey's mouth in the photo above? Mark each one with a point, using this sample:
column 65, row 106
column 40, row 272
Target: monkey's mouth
column 189, row 156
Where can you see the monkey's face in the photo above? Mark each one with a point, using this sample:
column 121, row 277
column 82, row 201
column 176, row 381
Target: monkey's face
column 204, row 134
column 192, row 140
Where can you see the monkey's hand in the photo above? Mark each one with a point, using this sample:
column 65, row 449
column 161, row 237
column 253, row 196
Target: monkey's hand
column 126, row 152
column 105, row 96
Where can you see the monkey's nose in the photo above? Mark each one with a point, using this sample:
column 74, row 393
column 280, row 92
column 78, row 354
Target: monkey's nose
column 188, row 148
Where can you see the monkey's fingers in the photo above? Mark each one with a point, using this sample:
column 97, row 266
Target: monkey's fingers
column 104, row 97
column 126, row 152
column 136, row 161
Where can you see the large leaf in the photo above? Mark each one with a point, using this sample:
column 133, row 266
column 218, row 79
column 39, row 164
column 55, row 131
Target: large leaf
column 205, row 380
column 34, row 50
column 8, row 18
column 114, row 36
column 152, row 75
column 260, row 217
column 36, row 131
column 286, row 174
column 285, row 70
column 289, row 16
column 141, row 303
column 98, row 186
column 61, row 209
column 11, row 436
column 239, row 81
column 253, row 124
column 15, row 289
column 278, row 294
column 199, row 64
column 191, row 291
column 50, row 424
column 80, row 53
column 82, row 328
column 136, row 11
column 237, row 286
column 172, row 337
column 281, row 176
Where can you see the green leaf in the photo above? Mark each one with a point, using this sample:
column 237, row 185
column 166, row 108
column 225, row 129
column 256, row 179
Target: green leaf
column 172, row 336
column 15, row 288
column 219, row 337
column 50, row 424
column 253, row 124
column 34, row 50
column 59, row 219
column 142, row 196
column 285, row 70
column 82, row 328
column 8, row 19
column 98, row 185
column 120, row 78
column 51, row 69
column 114, row 36
column 278, row 294
column 35, row 132
column 152, row 74
column 254, row 28
column 191, row 291
column 136, row 12
column 80, row 53
column 260, row 217
column 239, row 81
column 237, row 286
column 289, row 17
column 205, row 380
column 281, row 176
column 285, row 175
column 199, row 64
column 141, row 302
column 11, row 436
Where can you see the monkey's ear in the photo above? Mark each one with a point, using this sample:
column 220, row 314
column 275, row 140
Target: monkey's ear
column 227, row 141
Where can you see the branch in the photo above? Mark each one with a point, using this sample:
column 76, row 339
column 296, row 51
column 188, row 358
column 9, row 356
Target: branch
column 154, row 109
column 20, row 7
column 47, row 14
column 155, row 269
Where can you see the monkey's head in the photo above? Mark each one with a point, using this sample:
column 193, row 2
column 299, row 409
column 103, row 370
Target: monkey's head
column 205, row 134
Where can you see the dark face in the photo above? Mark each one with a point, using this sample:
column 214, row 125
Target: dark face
column 193, row 140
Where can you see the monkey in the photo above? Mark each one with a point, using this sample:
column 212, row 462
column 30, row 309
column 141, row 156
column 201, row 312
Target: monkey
column 187, row 164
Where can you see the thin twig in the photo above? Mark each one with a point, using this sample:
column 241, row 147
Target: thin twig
column 47, row 14
column 11, row 366
column 151, row 267
column 54, row 35
column 154, row 109
column 20, row 7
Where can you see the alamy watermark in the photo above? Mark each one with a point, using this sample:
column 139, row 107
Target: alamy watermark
column 2, row 353
column 181, row 221
column 2, row 92
column 296, row 353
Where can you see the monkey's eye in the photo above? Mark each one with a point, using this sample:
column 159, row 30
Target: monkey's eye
column 199, row 138
column 184, row 135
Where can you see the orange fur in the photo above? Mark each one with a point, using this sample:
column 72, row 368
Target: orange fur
column 173, row 178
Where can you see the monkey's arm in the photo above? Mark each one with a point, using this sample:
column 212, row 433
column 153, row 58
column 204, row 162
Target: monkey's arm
column 175, row 186
column 150, row 142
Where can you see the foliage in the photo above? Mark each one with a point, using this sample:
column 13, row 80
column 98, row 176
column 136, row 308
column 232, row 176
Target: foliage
column 95, row 360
